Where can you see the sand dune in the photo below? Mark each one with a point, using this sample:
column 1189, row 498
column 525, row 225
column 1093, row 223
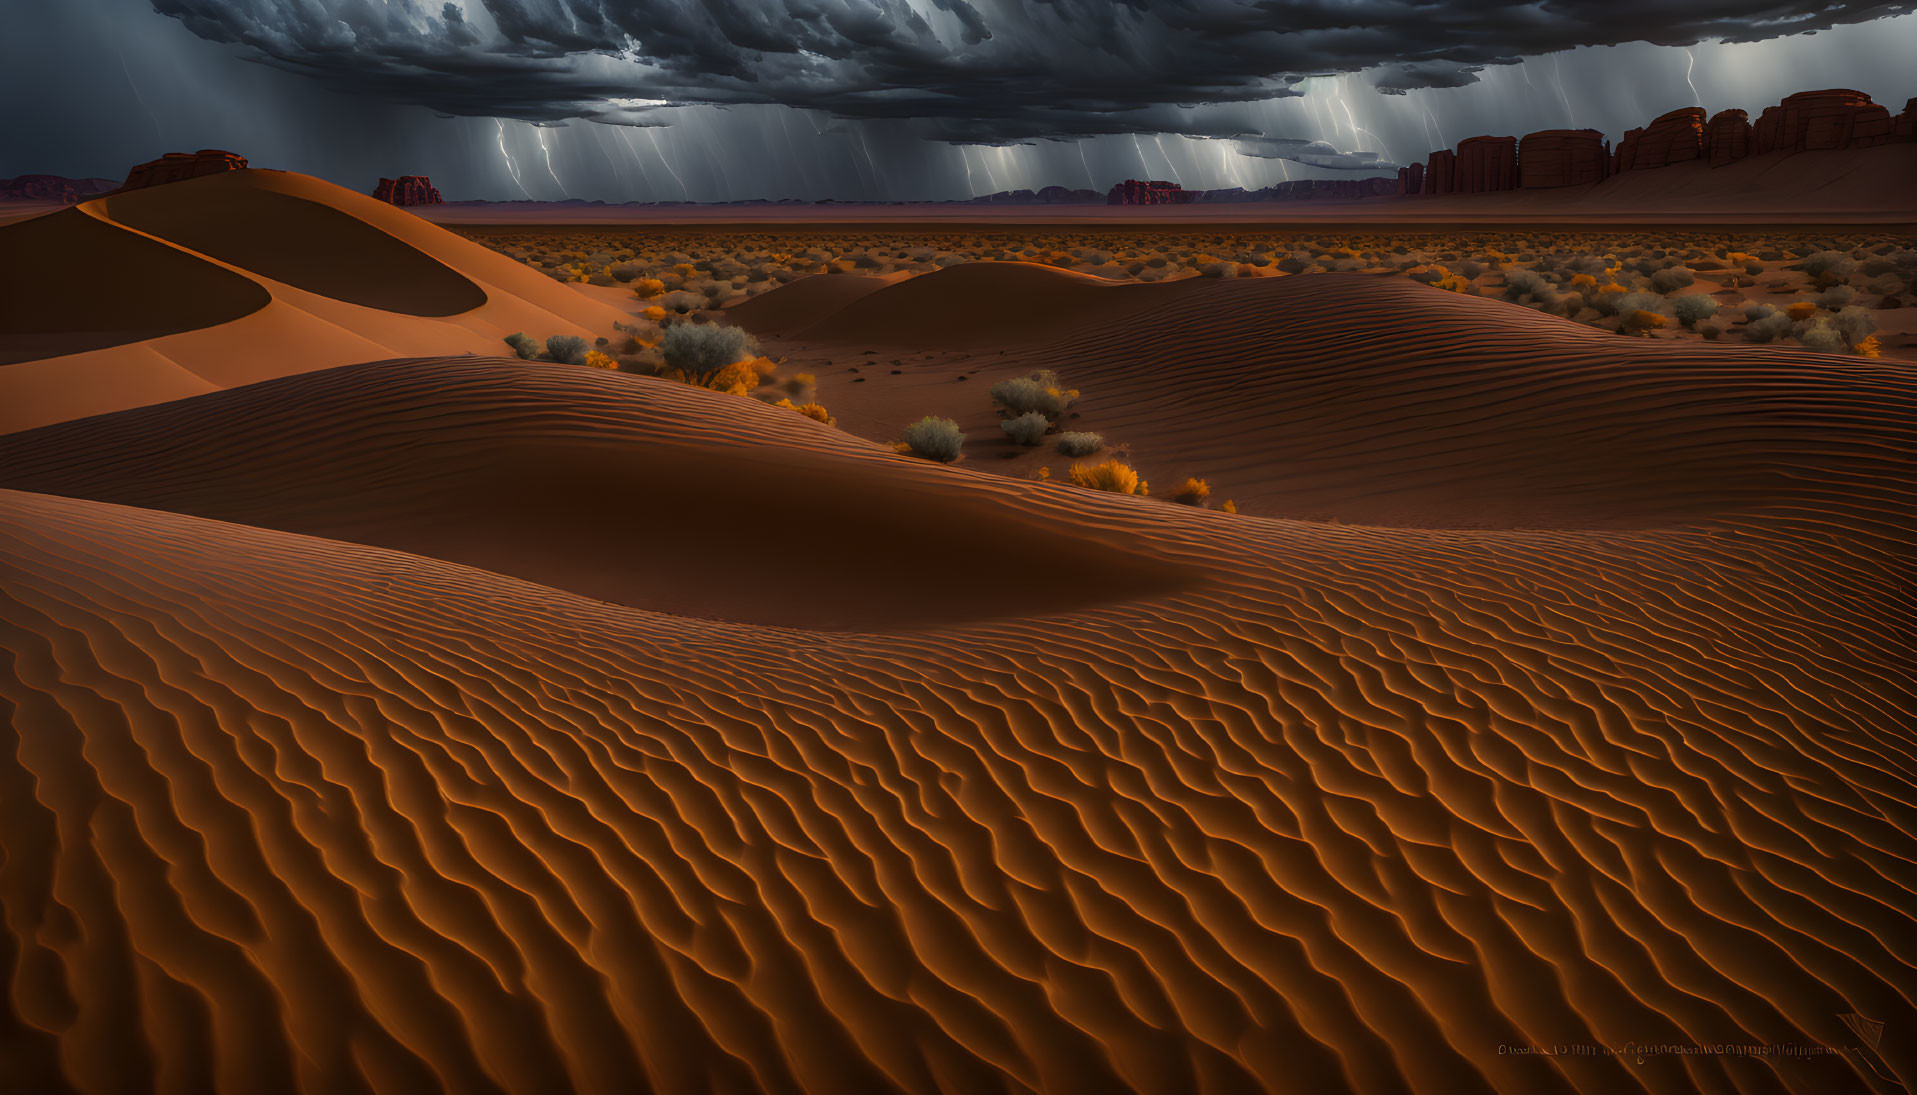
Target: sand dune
column 1373, row 399
column 623, row 488
column 800, row 304
column 233, row 278
column 1249, row 804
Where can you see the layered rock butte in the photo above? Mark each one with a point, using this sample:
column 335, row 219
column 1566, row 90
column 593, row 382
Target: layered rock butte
column 176, row 166
column 1808, row 121
column 408, row 190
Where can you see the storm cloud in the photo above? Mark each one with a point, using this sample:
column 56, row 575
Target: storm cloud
column 962, row 71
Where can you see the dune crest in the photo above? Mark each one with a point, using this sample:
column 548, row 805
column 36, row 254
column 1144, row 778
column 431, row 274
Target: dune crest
column 244, row 276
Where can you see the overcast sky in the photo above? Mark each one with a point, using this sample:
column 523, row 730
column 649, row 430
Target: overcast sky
column 890, row 99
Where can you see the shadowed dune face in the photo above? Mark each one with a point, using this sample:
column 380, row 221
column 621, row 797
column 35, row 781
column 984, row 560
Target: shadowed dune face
column 303, row 243
column 802, row 303
column 590, row 482
column 56, row 304
column 974, row 304
column 1247, row 805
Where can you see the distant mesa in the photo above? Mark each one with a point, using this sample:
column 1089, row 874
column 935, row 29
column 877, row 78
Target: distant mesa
column 1154, row 192
column 1813, row 120
column 1486, row 164
column 1727, row 137
column 408, row 190
column 1564, row 157
column 1676, row 137
column 52, row 188
column 179, row 166
column 1809, row 121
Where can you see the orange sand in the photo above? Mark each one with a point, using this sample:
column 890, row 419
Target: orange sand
column 473, row 725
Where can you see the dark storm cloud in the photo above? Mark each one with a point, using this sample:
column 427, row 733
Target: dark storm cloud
column 1314, row 153
column 981, row 71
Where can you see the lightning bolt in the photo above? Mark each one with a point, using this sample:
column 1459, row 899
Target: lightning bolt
column 511, row 167
column 540, row 131
column 1557, row 69
column 658, row 151
column 1690, row 62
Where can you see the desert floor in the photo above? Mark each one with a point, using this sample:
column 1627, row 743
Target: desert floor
column 389, row 711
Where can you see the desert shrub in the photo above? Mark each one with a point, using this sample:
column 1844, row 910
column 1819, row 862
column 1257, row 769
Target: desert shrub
column 1630, row 303
column 1192, row 492
column 1768, row 328
column 1229, row 506
column 1710, row 331
column 1829, row 265
column 1801, row 310
column 935, row 439
column 523, row 344
column 1468, row 268
column 1608, row 300
column 1027, row 428
column 1836, row 297
column 1672, row 279
column 1522, row 283
column 698, row 351
column 1640, row 320
column 800, row 382
column 1219, row 270
column 682, row 301
column 599, row 360
column 570, row 349
column 1041, row 391
column 1755, row 310
column 1112, row 475
column 814, row 411
column 1854, row 323
column 1821, row 336
column 1693, row 307
column 1079, row 444
column 1868, row 347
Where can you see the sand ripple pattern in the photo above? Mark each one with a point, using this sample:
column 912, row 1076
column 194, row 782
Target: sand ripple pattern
column 1361, row 809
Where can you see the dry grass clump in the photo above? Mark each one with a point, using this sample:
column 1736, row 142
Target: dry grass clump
column 814, row 411
column 1112, row 475
column 934, row 439
column 1041, row 392
column 1192, row 492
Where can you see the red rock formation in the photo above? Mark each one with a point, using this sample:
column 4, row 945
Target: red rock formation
column 175, row 166
column 1727, row 137
column 408, row 190
column 1487, row 164
column 1411, row 179
column 1134, row 192
column 1441, row 172
column 1810, row 120
column 1904, row 126
column 1673, row 138
column 1563, row 157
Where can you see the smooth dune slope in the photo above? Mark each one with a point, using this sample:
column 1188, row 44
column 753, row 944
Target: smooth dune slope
column 798, row 305
column 629, row 489
column 969, row 305
column 1338, row 808
column 232, row 278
